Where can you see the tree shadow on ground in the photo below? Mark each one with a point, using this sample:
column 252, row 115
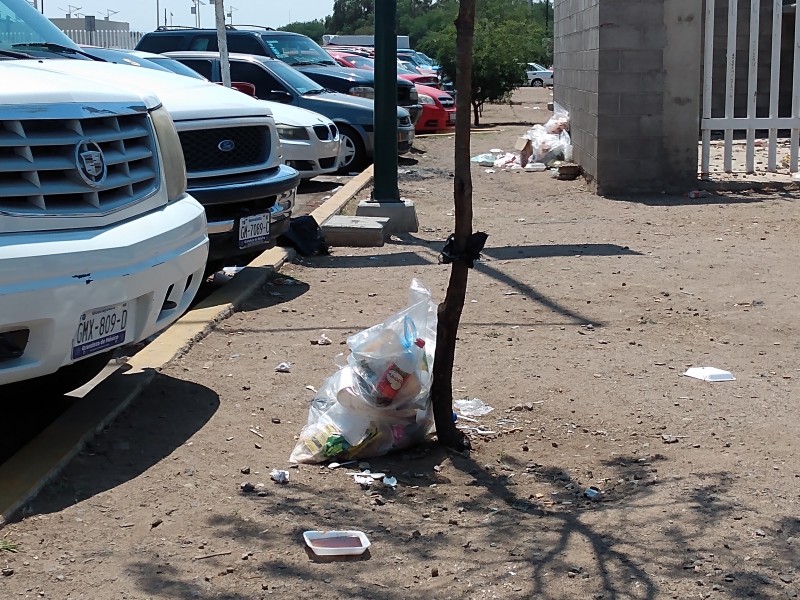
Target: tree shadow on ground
column 495, row 523
column 169, row 410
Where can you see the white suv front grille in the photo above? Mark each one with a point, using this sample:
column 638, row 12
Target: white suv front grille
column 89, row 164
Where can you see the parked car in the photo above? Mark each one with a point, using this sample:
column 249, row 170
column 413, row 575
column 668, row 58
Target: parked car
column 415, row 59
column 438, row 110
column 538, row 76
column 294, row 49
column 309, row 141
column 232, row 152
column 100, row 244
column 275, row 80
column 347, row 59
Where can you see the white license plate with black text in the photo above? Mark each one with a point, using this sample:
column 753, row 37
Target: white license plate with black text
column 100, row 329
column 253, row 229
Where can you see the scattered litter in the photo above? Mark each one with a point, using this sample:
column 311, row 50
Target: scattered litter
column 323, row 340
column 336, row 465
column 279, row 476
column 568, row 171
column 213, row 555
column 336, row 543
column 709, row 374
column 311, row 388
column 535, row 167
column 490, row 171
column 231, row 271
column 592, row 493
column 472, row 408
column 284, row 367
column 390, row 482
column 258, row 433
column 694, row 194
column 669, row 439
column 364, row 481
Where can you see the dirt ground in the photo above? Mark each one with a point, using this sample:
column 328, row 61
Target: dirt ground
column 578, row 325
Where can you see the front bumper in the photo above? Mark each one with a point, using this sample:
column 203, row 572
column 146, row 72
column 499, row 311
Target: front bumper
column 154, row 263
column 311, row 157
column 435, row 118
column 414, row 111
column 405, row 140
column 226, row 204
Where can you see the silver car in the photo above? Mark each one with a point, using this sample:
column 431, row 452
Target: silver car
column 537, row 75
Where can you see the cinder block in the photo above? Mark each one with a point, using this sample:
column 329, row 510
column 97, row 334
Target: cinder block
column 641, row 61
column 641, row 104
column 342, row 230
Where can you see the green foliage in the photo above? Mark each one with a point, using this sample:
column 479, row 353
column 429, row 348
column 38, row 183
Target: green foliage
column 314, row 29
column 507, row 34
column 6, row 546
column 354, row 17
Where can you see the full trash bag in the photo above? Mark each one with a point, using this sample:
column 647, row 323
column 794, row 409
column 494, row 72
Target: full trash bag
column 379, row 400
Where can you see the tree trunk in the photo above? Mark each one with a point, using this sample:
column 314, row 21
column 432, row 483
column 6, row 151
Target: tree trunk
column 476, row 111
column 449, row 311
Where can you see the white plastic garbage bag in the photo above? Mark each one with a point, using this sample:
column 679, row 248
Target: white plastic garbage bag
column 380, row 399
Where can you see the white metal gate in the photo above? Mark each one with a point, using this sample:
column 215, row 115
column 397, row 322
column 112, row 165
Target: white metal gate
column 729, row 123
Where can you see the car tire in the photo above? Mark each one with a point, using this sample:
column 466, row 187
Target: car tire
column 63, row 381
column 354, row 154
column 537, row 83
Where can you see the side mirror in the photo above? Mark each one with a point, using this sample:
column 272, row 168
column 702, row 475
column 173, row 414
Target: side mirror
column 279, row 96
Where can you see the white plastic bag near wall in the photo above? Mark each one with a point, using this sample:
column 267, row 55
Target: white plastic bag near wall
column 380, row 399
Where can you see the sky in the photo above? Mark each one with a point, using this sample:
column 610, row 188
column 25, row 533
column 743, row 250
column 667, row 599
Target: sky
column 141, row 14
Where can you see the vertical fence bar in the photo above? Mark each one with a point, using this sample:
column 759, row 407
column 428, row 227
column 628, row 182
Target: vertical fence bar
column 775, row 80
column 708, row 86
column 730, row 80
column 752, row 81
column 795, row 141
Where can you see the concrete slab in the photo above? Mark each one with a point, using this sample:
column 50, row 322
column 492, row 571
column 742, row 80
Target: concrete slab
column 402, row 215
column 363, row 232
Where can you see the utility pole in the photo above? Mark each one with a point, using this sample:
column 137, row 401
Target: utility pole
column 222, row 42
column 385, row 200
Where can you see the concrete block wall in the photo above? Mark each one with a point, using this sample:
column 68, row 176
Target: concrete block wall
column 577, row 60
column 625, row 119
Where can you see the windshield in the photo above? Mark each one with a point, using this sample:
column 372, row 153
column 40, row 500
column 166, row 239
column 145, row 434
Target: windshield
column 297, row 50
column 294, row 78
column 23, row 24
column 362, row 62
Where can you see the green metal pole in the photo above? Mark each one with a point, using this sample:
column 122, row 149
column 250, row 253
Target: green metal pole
column 386, row 189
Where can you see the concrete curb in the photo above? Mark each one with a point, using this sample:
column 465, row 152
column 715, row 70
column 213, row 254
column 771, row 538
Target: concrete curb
column 27, row 472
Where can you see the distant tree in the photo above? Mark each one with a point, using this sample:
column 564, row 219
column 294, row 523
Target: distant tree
column 507, row 34
column 351, row 17
column 313, row 29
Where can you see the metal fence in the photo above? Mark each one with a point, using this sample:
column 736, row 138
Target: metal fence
column 106, row 39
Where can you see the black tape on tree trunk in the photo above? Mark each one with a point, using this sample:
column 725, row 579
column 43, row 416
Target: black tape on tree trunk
column 470, row 254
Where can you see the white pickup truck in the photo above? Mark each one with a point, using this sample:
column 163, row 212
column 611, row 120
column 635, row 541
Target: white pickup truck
column 100, row 245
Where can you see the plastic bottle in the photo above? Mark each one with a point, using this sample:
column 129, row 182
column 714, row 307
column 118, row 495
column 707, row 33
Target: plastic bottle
column 396, row 375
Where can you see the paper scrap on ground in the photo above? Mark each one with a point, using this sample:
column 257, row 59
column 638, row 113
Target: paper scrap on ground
column 472, row 408
column 709, row 374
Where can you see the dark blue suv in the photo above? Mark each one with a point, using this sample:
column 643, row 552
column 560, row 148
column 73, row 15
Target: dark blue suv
column 292, row 48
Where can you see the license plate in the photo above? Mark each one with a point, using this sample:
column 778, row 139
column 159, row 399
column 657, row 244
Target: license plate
column 253, row 229
column 100, row 329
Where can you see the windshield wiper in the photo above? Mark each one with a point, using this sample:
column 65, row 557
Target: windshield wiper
column 304, row 63
column 57, row 48
column 15, row 54
column 313, row 92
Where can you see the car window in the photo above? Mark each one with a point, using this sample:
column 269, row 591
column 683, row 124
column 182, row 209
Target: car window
column 296, row 49
column 294, row 78
column 158, row 43
column 245, row 44
column 204, row 42
column 264, row 81
column 22, row 24
column 362, row 62
column 201, row 65
column 175, row 66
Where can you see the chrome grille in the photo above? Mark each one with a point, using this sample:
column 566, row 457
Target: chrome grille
column 43, row 172
column 224, row 148
column 447, row 101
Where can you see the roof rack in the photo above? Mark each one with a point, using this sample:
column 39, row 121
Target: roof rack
column 189, row 27
column 254, row 26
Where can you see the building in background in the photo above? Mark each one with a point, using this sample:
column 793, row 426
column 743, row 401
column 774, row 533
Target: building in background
column 92, row 31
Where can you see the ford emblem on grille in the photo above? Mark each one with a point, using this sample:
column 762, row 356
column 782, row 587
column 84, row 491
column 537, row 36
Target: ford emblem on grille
column 226, row 146
column 90, row 162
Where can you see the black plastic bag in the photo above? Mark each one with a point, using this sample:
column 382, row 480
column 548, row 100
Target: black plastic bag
column 305, row 236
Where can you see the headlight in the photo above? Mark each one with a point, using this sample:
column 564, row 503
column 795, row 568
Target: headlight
column 286, row 132
column 171, row 153
column 363, row 92
column 413, row 94
column 425, row 99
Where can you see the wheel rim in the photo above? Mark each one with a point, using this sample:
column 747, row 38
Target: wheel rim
column 348, row 150
column 538, row 83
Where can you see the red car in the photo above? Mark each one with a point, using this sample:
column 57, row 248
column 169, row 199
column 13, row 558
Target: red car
column 438, row 110
column 357, row 61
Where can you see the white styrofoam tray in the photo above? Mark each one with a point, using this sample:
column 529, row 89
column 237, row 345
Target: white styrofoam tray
column 310, row 536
